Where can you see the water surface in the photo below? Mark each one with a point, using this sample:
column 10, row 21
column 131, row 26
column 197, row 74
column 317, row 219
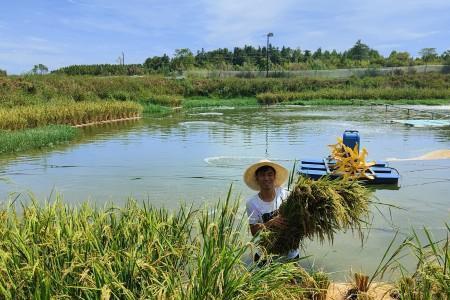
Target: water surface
column 195, row 156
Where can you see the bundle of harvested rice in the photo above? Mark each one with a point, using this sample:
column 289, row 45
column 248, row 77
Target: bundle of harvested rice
column 318, row 209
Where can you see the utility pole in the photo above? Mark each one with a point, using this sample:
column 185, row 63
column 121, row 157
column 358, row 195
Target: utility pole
column 270, row 34
column 123, row 58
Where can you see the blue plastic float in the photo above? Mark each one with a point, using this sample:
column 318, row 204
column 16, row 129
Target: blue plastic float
column 317, row 168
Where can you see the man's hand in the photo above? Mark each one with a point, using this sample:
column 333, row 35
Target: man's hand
column 277, row 223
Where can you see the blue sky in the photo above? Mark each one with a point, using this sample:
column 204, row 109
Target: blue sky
column 64, row 32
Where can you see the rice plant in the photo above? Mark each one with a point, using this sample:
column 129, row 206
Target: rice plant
column 48, row 136
column 73, row 113
column 53, row 250
column 431, row 277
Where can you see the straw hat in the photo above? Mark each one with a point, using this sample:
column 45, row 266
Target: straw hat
column 281, row 176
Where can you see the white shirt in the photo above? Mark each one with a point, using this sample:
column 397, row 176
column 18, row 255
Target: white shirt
column 256, row 207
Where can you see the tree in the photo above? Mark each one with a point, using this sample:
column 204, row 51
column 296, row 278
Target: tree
column 183, row 59
column 398, row 59
column 427, row 55
column 157, row 63
column 39, row 69
column 446, row 57
column 3, row 73
column 359, row 51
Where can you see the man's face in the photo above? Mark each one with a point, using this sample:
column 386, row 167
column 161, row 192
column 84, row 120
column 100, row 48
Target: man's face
column 266, row 179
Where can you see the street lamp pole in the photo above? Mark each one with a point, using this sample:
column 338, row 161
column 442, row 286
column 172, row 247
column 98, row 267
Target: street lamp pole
column 270, row 34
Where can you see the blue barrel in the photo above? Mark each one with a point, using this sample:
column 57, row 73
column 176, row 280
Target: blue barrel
column 351, row 138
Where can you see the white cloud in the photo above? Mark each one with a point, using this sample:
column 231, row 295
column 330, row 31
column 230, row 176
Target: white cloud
column 31, row 45
column 238, row 22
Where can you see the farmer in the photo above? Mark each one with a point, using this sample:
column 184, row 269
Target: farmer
column 266, row 177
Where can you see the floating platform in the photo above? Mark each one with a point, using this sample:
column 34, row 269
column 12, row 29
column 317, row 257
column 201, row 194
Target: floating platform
column 317, row 168
column 424, row 123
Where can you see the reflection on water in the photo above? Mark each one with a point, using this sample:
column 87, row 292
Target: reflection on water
column 195, row 156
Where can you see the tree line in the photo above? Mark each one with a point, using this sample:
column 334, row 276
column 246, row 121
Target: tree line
column 249, row 58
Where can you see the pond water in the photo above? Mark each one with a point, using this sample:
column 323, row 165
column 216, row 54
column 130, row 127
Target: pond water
column 195, row 156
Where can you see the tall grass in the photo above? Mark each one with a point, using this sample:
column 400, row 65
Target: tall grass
column 22, row 140
column 136, row 252
column 166, row 100
column 19, row 91
column 215, row 102
column 28, row 90
column 73, row 113
column 355, row 93
column 155, row 109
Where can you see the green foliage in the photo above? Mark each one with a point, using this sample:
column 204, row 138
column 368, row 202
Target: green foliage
column 166, row 100
column 102, row 70
column 249, row 58
column 155, row 109
column 359, row 51
column 428, row 54
column 134, row 252
column 183, row 60
column 3, row 73
column 159, row 64
column 16, row 141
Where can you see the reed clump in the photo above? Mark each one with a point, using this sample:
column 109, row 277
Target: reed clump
column 318, row 210
column 71, row 113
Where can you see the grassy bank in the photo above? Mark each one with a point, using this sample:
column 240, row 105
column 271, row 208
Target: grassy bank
column 22, row 140
column 72, row 113
column 29, row 90
column 388, row 94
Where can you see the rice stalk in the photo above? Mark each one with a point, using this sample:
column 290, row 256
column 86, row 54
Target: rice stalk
column 318, row 210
